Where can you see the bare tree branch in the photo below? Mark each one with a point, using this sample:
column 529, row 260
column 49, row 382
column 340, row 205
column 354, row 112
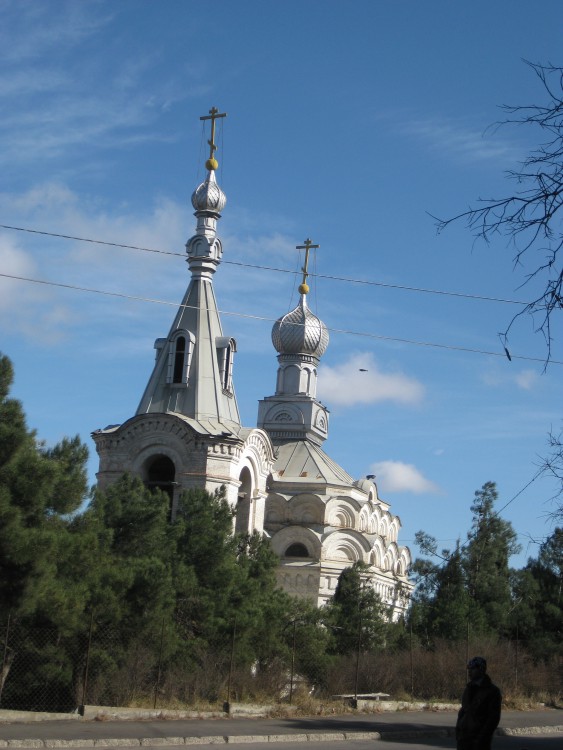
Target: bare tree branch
column 532, row 217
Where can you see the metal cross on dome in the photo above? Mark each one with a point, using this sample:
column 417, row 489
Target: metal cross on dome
column 304, row 288
column 213, row 115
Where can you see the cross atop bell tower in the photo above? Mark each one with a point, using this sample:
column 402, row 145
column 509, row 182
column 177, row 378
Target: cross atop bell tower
column 213, row 115
column 304, row 287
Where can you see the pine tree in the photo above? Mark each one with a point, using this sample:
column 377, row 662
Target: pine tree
column 491, row 542
column 356, row 614
column 39, row 489
column 538, row 592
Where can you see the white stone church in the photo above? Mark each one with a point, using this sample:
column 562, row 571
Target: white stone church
column 187, row 433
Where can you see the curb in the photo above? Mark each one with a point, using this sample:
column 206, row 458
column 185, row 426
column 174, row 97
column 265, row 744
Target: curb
column 248, row 739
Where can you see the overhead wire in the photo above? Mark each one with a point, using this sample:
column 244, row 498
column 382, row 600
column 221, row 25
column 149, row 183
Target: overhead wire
column 328, row 277
column 248, row 316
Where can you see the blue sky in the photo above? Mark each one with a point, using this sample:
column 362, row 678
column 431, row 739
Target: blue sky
column 348, row 122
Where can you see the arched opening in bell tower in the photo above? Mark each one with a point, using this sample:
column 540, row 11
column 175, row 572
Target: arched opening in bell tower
column 160, row 474
column 244, row 503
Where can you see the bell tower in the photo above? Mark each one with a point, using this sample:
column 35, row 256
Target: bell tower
column 187, row 430
column 300, row 338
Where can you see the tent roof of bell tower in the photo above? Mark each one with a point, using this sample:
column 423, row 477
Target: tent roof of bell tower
column 192, row 376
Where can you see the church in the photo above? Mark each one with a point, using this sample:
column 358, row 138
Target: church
column 278, row 480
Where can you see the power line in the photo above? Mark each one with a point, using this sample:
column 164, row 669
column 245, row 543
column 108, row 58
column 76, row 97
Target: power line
column 329, row 277
column 365, row 334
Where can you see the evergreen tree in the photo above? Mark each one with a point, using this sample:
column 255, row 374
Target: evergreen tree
column 356, row 614
column 39, row 489
column 538, row 610
column 469, row 586
column 441, row 601
column 450, row 611
column 491, row 542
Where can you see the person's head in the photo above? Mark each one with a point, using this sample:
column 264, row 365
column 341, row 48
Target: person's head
column 477, row 666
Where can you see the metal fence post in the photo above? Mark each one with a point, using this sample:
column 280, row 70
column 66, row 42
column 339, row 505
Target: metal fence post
column 227, row 706
column 516, row 663
column 85, row 682
column 4, row 676
column 358, row 657
column 412, row 662
column 157, row 683
column 292, row 664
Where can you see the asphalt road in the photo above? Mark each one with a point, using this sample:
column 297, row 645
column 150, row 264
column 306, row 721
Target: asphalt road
column 397, row 721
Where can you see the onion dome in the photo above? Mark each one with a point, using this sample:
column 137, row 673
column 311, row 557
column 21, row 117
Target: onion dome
column 300, row 332
column 208, row 196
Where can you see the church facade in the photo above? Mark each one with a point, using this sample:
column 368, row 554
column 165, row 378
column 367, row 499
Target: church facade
column 187, row 433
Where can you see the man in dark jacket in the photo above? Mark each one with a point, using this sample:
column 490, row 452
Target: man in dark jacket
column 480, row 709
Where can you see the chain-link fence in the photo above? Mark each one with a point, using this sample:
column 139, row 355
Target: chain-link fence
column 47, row 670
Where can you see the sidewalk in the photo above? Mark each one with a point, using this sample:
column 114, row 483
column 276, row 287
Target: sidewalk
column 169, row 732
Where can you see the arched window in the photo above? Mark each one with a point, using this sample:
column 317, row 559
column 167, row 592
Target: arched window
column 179, row 357
column 179, row 354
column 297, row 550
column 226, row 349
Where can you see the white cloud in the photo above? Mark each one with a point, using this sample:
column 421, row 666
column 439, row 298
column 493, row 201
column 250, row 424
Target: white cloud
column 27, row 308
column 454, row 137
column 396, row 476
column 461, row 141
column 360, row 381
column 524, row 379
column 42, row 312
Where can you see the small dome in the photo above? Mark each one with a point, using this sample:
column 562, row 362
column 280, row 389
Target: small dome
column 300, row 332
column 208, row 196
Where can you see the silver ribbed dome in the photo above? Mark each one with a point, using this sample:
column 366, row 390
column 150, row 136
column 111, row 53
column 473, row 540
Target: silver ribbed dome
column 208, row 196
column 300, row 332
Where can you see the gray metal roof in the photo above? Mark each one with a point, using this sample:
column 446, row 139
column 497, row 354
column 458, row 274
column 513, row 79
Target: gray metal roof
column 303, row 462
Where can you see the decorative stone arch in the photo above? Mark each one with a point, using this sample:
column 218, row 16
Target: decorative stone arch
column 363, row 523
column 384, row 527
column 254, row 465
column 276, row 510
column 391, row 557
column 373, row 523
column 350, row 546
column 155, row 429
column 377, row 555
column 342, row 512
column 406, row 560
column 284, row 414
column 306, row 508
column 292, row 535
column 394, row 529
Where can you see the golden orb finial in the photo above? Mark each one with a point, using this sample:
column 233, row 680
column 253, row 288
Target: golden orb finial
column 211, row 164
column 303, row 288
